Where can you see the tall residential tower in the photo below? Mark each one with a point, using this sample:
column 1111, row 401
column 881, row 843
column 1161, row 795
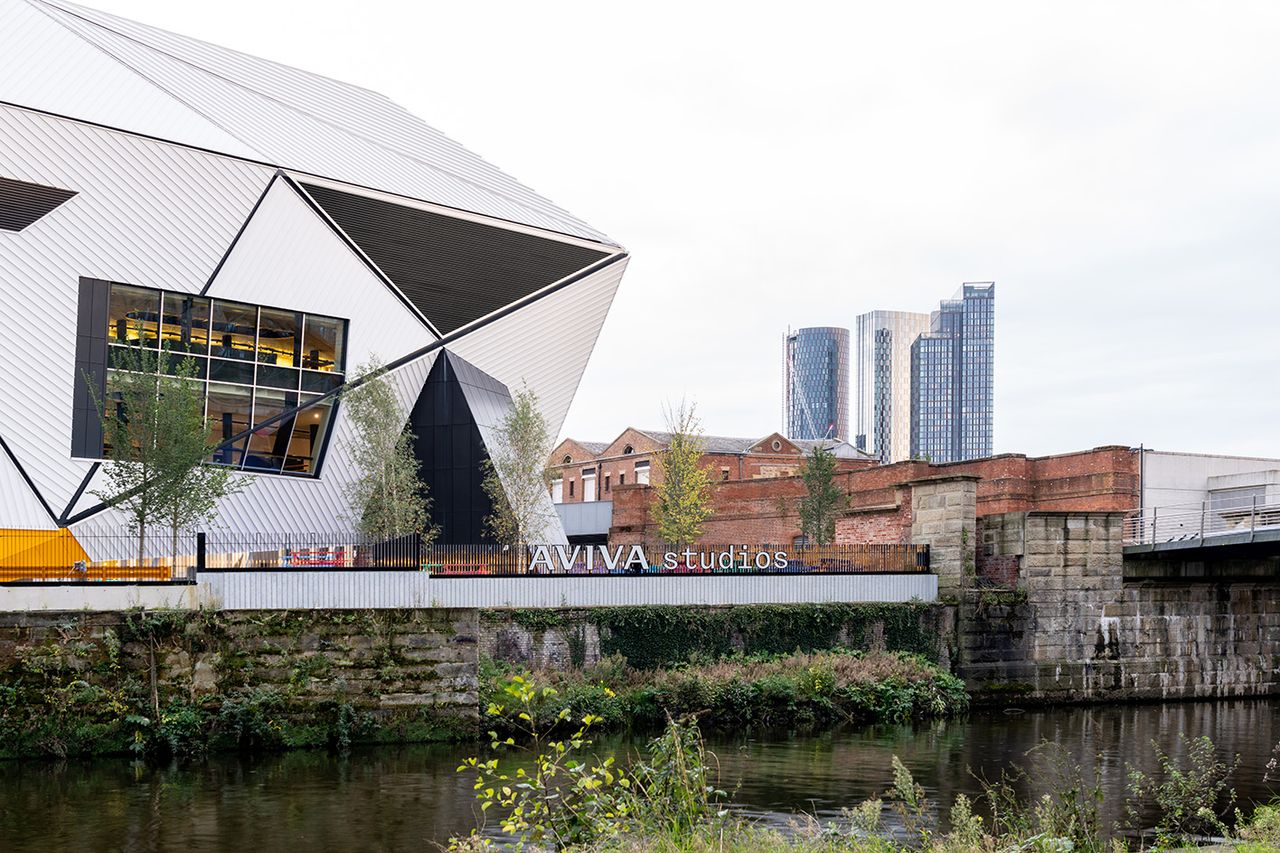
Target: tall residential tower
column 883, row 378
column 951, row 378
column 817, row 383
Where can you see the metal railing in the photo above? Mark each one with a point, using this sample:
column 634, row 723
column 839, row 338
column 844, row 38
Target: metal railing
column 1201, row 520
column 56, row 556
column 336, row 553
column 60, row 557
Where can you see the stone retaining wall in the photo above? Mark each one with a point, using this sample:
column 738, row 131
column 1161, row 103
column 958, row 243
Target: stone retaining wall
column 393, row 674
column 1074, row 630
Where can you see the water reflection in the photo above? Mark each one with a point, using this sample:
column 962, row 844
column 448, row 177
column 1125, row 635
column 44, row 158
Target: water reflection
column 823, row 774
column 405, row 798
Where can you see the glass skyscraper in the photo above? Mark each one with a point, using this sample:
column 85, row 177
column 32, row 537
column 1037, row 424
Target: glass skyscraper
column 951, row 378
column 817, row 383
column 883, row 381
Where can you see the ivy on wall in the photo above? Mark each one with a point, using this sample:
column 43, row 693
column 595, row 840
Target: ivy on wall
column 660, row 636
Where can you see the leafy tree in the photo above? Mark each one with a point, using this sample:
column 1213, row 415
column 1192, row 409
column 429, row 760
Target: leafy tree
column 388, row 497
column 823, row 500
column 684, row 495
column 153, row 423
column 515, row 474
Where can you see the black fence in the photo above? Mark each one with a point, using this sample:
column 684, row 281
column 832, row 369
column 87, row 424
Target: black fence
column 60, row 557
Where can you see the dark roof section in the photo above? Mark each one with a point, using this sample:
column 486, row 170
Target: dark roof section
column 22, row 203
column 453, row 270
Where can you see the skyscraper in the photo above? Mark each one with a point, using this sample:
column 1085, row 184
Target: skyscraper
column 817, row 383
column 951, row 378
column 883, row 381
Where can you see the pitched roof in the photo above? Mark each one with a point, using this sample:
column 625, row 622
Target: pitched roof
column 729, row 444
column 84, row 64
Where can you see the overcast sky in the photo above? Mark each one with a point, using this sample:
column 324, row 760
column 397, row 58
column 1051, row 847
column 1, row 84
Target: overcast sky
column 1113, row 167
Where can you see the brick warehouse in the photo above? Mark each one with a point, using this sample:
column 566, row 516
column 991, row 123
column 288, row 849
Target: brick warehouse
column 591, row 470
column 1104, row 479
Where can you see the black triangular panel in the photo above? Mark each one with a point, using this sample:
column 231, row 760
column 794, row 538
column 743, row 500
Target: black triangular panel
column 22, row 204
column 453, row 270
column 451, row 450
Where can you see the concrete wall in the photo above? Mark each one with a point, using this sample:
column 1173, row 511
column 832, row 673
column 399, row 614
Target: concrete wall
column 1181, row 478
column 99, row 596
column 324, row 590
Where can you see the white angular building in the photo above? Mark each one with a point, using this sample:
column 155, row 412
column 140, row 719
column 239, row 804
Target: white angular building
column 278, row 227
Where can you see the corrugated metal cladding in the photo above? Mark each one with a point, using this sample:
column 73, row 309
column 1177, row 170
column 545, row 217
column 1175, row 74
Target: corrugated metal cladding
column 242, row 105
column 148, row 213
column 48, row 67
column 296, row 590
column 21, row 203
column 536, row 345
column 287, row 256
column 454, row 270
column 22, row 509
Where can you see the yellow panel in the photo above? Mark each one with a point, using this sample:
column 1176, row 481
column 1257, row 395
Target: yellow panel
column 42, row 549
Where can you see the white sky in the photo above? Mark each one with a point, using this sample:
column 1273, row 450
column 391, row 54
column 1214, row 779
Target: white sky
column 1112, row 166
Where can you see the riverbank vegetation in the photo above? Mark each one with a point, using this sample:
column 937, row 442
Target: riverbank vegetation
column 540, row 792
column 790, row 690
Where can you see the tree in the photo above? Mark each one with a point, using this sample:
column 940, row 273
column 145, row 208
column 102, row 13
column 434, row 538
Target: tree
column 823, row 500
column 684, row 495
column 388, row 496
column 515, row 474
column 153, row 423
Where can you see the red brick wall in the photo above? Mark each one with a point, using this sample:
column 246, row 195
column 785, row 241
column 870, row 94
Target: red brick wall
column 764, row 511
column 879, row 527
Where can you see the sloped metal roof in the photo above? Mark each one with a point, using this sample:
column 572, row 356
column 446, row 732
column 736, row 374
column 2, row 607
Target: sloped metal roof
column 145, row 80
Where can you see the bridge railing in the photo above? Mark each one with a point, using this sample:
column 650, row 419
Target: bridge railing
column 1201, row 520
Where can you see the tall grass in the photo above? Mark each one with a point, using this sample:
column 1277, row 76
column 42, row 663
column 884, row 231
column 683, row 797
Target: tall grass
column 795, row 690
column 559, row 795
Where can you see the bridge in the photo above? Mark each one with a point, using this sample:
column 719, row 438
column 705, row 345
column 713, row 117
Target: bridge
column 1211, row 540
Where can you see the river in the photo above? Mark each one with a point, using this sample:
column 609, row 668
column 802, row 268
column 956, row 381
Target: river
column 410, row 797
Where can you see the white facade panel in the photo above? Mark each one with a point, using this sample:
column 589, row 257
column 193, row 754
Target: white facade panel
column 147, row 213
column 289, row 257
column 1171, row 479
column 48, row 67
column 305, row 122
column 20, row 507
column 547, row 344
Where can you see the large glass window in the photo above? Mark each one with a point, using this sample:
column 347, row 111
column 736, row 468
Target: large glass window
column 229, row 411
column 270, row 442
column 322, row 344
column 185, row 324
column 308, row 432
column 254, row 363
column 278, row 337
column 133, row 312
column 235, row 330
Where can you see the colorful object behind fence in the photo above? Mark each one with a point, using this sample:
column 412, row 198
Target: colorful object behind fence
column 40, row 548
